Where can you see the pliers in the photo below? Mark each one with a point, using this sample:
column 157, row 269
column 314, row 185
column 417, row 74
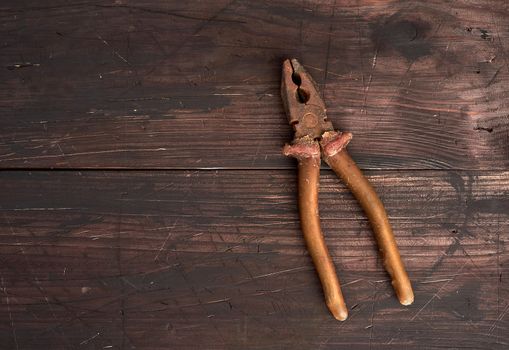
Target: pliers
column 315, row 138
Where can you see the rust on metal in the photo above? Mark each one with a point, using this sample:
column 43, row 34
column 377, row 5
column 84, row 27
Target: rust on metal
column 315, row 138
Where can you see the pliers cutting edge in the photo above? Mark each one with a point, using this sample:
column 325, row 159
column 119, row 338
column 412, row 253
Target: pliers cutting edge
column 316, row 138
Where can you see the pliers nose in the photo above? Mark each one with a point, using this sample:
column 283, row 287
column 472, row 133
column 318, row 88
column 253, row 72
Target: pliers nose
column 305, row 109
column 314, row 139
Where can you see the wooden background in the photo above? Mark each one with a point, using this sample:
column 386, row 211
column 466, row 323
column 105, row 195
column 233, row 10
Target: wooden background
column 145, row 203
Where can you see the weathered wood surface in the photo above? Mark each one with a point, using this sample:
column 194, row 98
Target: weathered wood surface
column 208, row 253
column 158, row 84
column 215, row 259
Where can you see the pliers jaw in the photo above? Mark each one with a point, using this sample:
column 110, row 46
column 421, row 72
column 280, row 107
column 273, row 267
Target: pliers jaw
column 303, row 105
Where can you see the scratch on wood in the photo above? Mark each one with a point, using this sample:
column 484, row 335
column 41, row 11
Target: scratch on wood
column 167, row 238
column 372, row 318
column 370, row 79
column 168, row 13
column 328, row 51
column 494, row 77
column 22, row 65
column 87, row 153
column 300, row 268
column 7, row 300
column 436, row 281
column 114, row 51
column 499, row 318
column 437, row 293
column 89, row 339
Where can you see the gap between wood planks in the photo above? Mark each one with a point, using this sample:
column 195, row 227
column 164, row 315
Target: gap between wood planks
column 205, row 169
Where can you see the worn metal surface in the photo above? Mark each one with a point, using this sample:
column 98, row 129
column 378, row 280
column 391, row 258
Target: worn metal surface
column 315, row 138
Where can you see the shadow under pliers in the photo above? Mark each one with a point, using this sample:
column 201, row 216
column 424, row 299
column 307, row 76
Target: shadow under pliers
column 315, row 138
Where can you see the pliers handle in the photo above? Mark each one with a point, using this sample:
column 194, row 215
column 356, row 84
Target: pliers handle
column 315, row 138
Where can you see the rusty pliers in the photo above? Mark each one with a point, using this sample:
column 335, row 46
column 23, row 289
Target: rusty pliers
column 316, row 138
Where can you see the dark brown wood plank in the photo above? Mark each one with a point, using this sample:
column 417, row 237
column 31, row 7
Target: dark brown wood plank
column 215, row 260
column 158, row 84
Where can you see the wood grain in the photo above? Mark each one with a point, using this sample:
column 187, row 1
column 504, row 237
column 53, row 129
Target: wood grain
column 215, row 259
column 170, row 218
column 173, row 85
